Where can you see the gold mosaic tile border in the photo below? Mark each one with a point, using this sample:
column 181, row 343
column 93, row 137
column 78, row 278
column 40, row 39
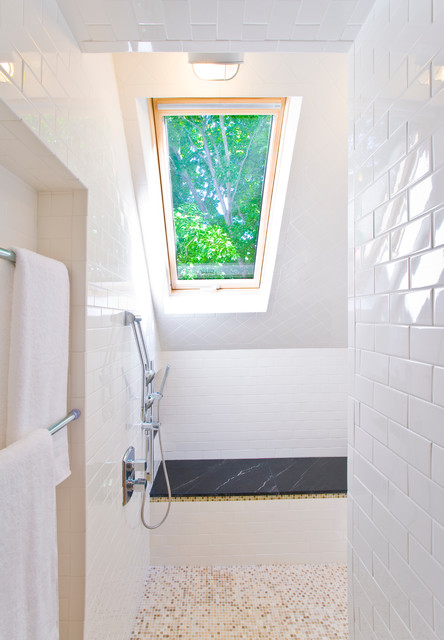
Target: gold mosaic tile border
column 291, row 496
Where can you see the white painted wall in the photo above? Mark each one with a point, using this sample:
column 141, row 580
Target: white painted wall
column 396, row 514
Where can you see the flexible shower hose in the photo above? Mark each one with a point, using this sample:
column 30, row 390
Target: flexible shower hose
column 142, row 512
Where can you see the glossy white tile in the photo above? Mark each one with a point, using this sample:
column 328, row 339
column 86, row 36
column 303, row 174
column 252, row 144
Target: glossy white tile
column 414, row 378
column 177, row 20
column 438, row 464
column 414, row 167
column 393, row 529
column 411, row 308
column 364, row 229
column 373, row 252
column 427, row 269
column 391, row 403
column 437, row 73
column 438, row 147
column 427, row 194
column 425, row 121
column 389, row 153
column 438, row 307
column 429, row 571
column 374, row 423
column 393, row 276
column 364, row 282
column 438, row 386
column 375, row 195
column 373, row 309
column 374, row 366
column 409, row 101
column 391, row 215
column 256, row 11
column 282, row 19
column 363, row 443
column 414, row 236
column 230, row 19
column 362, row 389
column 365, row 336
column 392, row 340
column 413, row 448
column 438, row 228
column 415, row 589
column 427, row 345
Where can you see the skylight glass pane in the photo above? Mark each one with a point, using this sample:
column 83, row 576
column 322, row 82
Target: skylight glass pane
column 217, row 170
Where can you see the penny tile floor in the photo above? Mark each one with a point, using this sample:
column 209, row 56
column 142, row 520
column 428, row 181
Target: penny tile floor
column 277, row 602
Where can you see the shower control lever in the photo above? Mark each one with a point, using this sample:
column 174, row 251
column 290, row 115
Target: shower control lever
column 129, row 481
column 137, row 465
column 139, row 484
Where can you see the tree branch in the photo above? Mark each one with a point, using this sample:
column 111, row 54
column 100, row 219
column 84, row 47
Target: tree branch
column 209, row 162
column 244, row 161
column 184, row 174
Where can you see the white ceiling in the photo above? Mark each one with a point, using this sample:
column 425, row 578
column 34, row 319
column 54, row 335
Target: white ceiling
column 215, row 25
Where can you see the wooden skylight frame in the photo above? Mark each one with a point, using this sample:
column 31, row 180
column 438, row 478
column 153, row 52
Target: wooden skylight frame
column 217, row 106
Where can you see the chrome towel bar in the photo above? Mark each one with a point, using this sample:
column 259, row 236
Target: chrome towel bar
column 72, row 415
column 7, row 255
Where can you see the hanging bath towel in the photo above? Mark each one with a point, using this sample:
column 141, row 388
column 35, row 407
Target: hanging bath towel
column 38, row 358
column 6, row 279
column 28, row 540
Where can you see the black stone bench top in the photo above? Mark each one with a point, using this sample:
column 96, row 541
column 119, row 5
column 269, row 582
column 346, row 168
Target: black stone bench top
column 270, row 476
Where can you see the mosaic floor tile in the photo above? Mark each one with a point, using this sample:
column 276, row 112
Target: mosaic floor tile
column 278, row 602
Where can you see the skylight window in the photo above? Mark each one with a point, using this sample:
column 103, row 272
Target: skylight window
column 217, row 162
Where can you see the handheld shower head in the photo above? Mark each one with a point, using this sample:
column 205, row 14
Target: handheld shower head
column 164, row 379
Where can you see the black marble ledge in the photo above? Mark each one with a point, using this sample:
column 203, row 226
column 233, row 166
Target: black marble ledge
column 270, row 476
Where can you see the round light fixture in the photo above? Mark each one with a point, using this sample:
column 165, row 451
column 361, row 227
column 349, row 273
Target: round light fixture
column 215, row 66
column 6, row 71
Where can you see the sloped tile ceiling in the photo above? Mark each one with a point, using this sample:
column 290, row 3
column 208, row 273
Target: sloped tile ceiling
column 308, row 304
column 292, row 47
column 215, row 25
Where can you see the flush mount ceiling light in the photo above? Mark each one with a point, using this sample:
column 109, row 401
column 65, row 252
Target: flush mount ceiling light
column 215, row 66
column 6, row 71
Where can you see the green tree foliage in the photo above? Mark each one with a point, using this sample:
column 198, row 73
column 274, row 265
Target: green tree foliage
column 217, row 168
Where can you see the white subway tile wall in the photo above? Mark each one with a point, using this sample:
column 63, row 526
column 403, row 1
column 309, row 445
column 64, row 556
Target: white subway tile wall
column 61, row 234
column 255, row 403
column 25, row 215
column 308, row 303
column 18, row 224
column 396, row 485
column 249, row 532
column 87, row 218
column 215, row 25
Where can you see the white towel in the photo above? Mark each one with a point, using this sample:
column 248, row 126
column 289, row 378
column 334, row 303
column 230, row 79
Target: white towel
column 38, row 358
column 28, row 540
column 6, row 278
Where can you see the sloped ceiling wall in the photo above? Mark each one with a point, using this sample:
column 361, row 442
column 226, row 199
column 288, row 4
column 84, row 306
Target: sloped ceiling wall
column 215, row 25
column 308, row 304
